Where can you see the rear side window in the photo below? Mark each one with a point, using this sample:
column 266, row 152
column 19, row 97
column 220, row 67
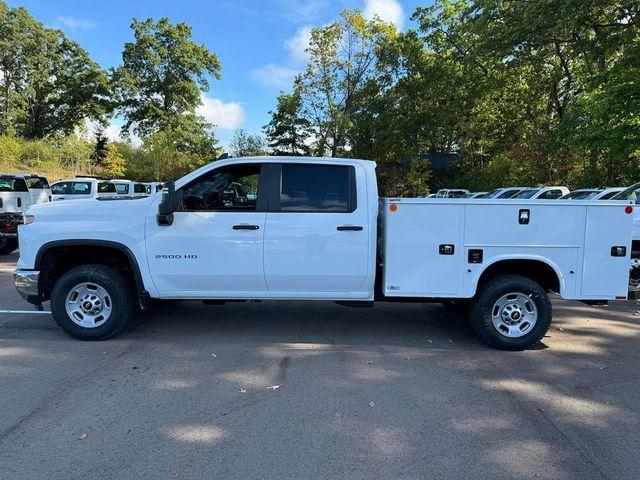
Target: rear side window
column 80, row 188
column 551, row 195
column 106, row 187
column 317, row 188
column 37, row 182
column 59, row 188
column 13, row 185
column 139, row 188
column 122, row 188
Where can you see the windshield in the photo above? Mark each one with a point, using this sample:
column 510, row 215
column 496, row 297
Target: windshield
column 509, row 193
column 526, row 193
column 37, row 182
column 490, row 193
column 630, row 193
column 457, row 193
column 8, row 184
column 580, row 195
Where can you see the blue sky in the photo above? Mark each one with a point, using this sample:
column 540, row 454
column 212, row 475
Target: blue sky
column 260, row 43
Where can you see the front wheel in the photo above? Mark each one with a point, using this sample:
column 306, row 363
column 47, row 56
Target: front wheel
column 92, row 302
column 511, row 312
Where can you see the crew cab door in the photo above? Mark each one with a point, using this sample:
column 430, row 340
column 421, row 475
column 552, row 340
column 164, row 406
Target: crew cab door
column 214, row 246
column 317, row 232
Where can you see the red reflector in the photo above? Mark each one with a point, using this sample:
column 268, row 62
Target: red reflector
column 628, row 209
column 621, row 297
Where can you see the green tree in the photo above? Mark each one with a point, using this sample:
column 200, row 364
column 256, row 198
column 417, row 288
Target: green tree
column 245, row 144
column 48, row 83
column 113, row 163
column 342, row 58
column 289, row 132
column 159, row 85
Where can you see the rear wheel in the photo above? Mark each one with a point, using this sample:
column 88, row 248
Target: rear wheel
column 8, row 245
column 511, row 312
column 92, row 302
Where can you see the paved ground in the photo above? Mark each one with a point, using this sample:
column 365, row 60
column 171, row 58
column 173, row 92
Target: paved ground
column 402, row 391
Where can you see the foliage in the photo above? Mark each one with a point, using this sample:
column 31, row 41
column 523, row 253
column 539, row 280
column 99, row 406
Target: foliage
column 158, row 159
column 158, row 86
column 288, row 132
column 48, row 83
column 342, row 59
column 525, row 93
column 245, row 144
column 113, row 164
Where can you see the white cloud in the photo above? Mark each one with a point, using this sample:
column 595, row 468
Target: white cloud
column 388, row 10
column 299, row 43
column 223, row 115
column 272, row 75
column 74, row 24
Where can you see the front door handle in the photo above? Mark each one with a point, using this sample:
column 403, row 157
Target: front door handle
column 244, row 226
column 355, row 228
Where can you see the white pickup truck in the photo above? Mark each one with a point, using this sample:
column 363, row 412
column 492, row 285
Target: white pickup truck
column 18, row 191
column 315, row 229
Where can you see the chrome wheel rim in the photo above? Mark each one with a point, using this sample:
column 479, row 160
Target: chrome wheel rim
column 514, row 315
column 88, row 305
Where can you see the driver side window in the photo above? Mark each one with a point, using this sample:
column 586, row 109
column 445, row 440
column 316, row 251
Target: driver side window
column 233, row 188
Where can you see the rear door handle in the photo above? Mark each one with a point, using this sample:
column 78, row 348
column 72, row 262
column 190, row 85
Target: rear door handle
column 244, row 226
column 355, row 228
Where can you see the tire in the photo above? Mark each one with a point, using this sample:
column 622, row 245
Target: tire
column 101, row 284
column 8, row 245
column 499, row 301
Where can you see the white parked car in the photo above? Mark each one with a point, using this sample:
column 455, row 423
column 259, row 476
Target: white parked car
column 501, row 193
column 541, row 193
column 592, row 194
column 18, row 192
column 128, row 188
column 153, row 187
column 315, row 229
column 452, row 193
column 82, row 187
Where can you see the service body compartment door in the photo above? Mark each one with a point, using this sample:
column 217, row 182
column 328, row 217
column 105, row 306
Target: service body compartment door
column 605, row 274
column 423, row 249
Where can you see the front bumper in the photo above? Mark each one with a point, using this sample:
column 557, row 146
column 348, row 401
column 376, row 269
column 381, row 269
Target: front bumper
column 26, row 282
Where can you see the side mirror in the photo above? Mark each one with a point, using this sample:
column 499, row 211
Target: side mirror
column 168, row 204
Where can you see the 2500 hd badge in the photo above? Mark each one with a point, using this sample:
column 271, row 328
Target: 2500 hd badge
column 176, row 256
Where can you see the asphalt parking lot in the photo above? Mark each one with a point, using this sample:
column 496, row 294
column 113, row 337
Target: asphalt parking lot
column 315, row 390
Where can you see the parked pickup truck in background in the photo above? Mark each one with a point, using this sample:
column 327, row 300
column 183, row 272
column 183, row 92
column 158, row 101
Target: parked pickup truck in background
column 17, row 193
column 315, row 229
